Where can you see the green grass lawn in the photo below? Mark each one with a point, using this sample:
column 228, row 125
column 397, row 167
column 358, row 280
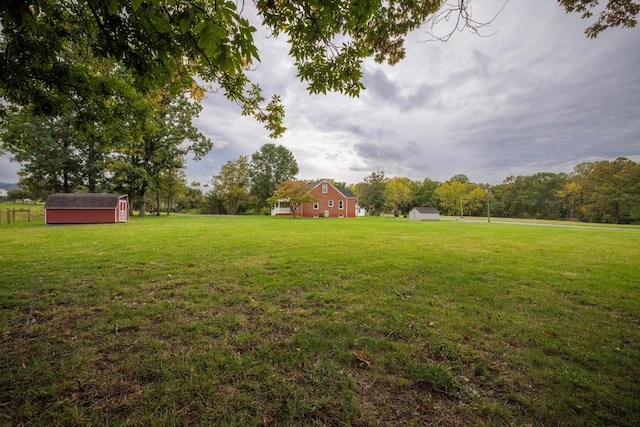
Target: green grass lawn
column 272, row 321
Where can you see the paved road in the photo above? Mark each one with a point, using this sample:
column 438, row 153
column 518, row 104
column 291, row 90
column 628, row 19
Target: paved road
column 542, row 224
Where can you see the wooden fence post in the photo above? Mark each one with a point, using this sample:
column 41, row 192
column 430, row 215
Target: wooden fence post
column 29, row 214
column 14, row 215
column 8, row 216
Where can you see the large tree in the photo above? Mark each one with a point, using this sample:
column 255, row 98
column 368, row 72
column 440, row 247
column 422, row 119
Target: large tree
column 371, row 192
column 46, row 150
column 163, row 135
column 232, row 183
column 534, row 196
column 451, row 197
column 270, row 165
column 610, row 190
column 398, row 194
column 423, row 192
column 63, row 150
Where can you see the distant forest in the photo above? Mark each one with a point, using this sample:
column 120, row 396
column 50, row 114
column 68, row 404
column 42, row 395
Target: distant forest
column 599, row 192
column 603, row 192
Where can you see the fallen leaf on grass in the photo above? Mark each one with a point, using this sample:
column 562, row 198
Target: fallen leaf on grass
column 363, row 358
column 551, row 333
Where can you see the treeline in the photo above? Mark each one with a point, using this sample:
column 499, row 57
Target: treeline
column 604, row 192
column 599, row 192
column 111, row 139
column 153, row 178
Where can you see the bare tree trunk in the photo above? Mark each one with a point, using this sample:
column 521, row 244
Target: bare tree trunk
column 169, row 190
column 143, row 205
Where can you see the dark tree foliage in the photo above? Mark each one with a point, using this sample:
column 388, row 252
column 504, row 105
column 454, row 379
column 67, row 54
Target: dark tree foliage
column 44, row 44
column 270, row 165
column 533, row 196
column 616, row 13
column 372, row 192
column 604, row 192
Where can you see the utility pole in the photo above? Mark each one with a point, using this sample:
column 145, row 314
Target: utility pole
column 486, row 192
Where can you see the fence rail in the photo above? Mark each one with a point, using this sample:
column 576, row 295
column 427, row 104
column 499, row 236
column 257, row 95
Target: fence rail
column 11, row 214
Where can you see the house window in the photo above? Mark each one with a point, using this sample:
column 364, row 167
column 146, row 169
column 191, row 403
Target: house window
column 315, row 205
column 325, row 188
column 330, row 203
column 315, row 215
column 340, row 204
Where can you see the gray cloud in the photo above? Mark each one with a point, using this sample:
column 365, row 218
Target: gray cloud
column 381, row 89
column 8, row 170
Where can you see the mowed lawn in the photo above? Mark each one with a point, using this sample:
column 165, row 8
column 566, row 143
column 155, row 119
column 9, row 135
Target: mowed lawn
column 271, row 321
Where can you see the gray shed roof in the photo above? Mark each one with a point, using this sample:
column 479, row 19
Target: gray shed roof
column 82, row 201
column 427, row 210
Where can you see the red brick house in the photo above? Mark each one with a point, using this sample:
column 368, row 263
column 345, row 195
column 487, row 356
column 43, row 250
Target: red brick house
column 332, row 203
column 77, row 208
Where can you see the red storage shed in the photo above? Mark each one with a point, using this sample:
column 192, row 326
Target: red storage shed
column 76, row 208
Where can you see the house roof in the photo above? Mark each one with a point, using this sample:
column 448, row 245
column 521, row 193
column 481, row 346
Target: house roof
column 345, row 192
column 427, row 209
column 82, row 201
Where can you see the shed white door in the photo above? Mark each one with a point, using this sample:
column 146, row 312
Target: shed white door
column 122, row 211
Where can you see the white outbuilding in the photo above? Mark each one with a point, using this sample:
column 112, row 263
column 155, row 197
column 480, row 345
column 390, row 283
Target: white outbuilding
column 424, row 214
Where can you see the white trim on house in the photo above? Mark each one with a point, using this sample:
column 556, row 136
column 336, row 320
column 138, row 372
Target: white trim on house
column 281, row 210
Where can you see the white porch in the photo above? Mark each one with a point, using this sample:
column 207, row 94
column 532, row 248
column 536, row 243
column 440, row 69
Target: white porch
column 281, row 208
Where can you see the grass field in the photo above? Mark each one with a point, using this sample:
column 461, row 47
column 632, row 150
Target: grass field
column 271, row 321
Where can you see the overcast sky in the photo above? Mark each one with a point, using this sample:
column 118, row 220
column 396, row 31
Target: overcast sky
column 535, row 96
